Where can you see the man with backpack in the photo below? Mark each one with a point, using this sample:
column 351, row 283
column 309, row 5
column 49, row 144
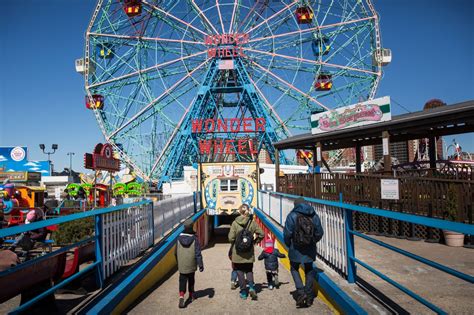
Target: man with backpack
column 243, row 235
column 301, row 233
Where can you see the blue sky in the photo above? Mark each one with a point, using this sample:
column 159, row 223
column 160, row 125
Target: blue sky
column 42, row 97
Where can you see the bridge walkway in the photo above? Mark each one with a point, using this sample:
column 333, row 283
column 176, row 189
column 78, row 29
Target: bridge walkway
column 214, row 293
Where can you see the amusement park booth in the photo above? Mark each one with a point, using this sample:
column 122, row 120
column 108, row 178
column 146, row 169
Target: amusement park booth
column 436, row 187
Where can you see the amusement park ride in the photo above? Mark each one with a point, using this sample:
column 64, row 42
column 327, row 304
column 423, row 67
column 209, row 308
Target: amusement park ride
column 152, row 68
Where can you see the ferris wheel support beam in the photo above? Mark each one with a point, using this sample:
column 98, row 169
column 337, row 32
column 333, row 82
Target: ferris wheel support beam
column 174, row 17
column 233, row 16
column 205, row 21
column 311, row 29
column 314, row 62
column 287, row 7
column 147, row 107
column 220, row 16
column 153, row 39
column 291, row 86
column 140, row 72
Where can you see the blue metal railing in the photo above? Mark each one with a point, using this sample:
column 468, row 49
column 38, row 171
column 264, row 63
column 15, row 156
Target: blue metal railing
column 97, row 265
column 415, row 219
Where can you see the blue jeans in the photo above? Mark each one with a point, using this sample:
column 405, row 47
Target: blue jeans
column 309, row 277
column 233, row 276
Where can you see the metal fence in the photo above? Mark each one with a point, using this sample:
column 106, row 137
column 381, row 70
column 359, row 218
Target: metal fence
column 125, row 234
column 169, row 212
column 121, row 234
column 338, row 241
column 332, row 247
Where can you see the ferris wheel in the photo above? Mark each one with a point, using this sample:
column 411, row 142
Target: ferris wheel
column 153, row 66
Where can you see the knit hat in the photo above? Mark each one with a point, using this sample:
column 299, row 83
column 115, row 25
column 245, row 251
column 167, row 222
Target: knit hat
column 31, row 216
column 188, row 226
column 299, row 200
column 269, row 246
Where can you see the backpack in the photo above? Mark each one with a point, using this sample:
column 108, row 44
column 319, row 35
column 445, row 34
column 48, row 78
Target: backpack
column 244, row 240
column 303, row 234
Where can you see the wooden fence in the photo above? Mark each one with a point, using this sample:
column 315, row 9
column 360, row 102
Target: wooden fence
column 431, row 197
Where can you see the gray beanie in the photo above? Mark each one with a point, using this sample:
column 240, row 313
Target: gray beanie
column 188, row 226
column 298, row 201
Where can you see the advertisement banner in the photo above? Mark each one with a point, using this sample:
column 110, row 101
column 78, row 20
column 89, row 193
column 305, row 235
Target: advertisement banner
column 361, row 114
column 13, row 154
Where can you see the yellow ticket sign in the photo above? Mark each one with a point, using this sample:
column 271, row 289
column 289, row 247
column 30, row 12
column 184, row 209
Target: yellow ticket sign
column 225, row 186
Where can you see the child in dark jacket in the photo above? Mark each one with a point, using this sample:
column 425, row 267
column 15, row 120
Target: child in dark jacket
column 189, row 258
column 270, row 256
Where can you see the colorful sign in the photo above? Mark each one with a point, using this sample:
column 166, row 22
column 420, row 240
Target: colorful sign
column 226, row 186
column 20, row 177
column 13, row 154
column 102, row 159
column 361, row 114
column 225, row 45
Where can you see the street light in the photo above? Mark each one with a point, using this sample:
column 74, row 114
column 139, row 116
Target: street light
column 70, row 162
column 54, row 147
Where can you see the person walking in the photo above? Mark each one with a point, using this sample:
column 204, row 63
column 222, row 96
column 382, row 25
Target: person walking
column 243, row 235
column 189, row 258
column 270, row 257
column 301, row 233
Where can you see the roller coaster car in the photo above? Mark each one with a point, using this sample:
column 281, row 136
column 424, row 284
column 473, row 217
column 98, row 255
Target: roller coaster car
column 304, row 15
column 321, row 45
column 98, row 102
column 323, row 82
column 105, row 51
column 132, row 7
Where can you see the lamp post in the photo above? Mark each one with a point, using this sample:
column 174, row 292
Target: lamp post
column 54, row 147
column 70, row 154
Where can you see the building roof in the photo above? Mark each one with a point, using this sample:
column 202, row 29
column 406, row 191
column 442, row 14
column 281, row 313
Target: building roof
column 440, row 121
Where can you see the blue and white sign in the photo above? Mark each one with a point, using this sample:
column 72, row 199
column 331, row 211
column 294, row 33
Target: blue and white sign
column 13, row 154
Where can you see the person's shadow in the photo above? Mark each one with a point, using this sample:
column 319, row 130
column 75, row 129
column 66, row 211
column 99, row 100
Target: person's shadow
column 209, row 292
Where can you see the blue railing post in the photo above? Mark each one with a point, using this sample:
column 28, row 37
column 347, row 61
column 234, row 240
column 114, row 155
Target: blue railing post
column 281, row 210
column 98, row 250
column 350, row 250
column 195, row 202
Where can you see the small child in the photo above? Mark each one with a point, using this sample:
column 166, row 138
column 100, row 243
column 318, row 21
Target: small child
column 271, row 255
column 189, row 258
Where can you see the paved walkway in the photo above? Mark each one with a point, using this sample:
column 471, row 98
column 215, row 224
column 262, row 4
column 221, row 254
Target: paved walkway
column 216, row 297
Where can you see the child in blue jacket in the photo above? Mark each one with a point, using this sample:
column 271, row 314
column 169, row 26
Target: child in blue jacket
column 270, row 256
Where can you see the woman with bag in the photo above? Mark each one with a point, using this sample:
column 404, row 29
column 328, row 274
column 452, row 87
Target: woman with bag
column 243, row 235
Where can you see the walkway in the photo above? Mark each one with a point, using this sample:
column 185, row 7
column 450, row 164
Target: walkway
column 215, row 295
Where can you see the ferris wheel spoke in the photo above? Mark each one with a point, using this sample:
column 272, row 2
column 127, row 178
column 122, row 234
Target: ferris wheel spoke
column 265, row 21
column 151, row 104
column 252, row 9
column 313, row 62
column 204, row 20
column 220, row 16
column 291, row 86
column 140, row 72
column 309, row 30
column 144, row 38
column 271, row 110
column 232, row 20
column 188, row 25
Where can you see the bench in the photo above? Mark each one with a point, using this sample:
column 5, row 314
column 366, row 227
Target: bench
column 82, row 254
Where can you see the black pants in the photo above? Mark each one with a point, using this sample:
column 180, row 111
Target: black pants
column 270, row 276
column 186, row 277
column 310, row 273
column 244, row 271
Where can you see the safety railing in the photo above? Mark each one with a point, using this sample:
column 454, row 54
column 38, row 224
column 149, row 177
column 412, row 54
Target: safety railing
column 332, row 247
column 169, row 212
column 271, row 199
column 125, row 234
column 121, row 233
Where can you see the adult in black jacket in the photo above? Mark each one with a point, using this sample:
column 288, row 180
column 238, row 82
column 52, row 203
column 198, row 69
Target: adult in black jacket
column 302, row 255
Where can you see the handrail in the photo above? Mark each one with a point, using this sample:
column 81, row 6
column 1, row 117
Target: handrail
column 416, row 219
column 350, row 250
column 67, row 218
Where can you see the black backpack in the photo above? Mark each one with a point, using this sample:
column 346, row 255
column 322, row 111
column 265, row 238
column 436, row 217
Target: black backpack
column 304, row 231
column 244, row 239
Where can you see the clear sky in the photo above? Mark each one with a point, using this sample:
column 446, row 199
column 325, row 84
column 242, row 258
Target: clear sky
column 42, row 97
